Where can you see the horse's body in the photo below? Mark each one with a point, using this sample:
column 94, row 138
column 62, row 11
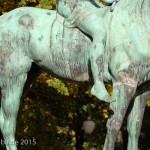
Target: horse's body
column 36, row 35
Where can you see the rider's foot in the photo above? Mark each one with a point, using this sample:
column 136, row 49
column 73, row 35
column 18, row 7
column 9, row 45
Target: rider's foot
column 101, row 93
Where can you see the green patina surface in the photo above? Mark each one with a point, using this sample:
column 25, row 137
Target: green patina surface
column 66, row 47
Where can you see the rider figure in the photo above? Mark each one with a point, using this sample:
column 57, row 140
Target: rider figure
column 83, row 14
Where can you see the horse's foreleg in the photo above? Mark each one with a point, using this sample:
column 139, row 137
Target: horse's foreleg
column 123, row 93
column 11, row 92
column 135, row 119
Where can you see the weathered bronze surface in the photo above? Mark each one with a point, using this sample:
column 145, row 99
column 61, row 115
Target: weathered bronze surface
column 118, row 43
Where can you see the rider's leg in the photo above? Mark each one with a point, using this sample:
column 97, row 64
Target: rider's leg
column 93, row 26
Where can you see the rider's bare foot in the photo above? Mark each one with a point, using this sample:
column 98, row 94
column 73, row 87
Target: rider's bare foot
column 101, row 93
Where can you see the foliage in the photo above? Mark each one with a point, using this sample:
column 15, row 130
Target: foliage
column 7, row 5
column 47, row 4
column 50, row 117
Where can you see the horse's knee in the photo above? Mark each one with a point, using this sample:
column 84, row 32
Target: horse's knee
column 114, row 124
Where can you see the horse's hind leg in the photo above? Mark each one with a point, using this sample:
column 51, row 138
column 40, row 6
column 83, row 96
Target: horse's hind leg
column 11, row 92
column 123, row 93
column 135, row 119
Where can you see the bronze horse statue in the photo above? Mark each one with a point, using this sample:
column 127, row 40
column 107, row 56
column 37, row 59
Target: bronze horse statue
column 37, row 35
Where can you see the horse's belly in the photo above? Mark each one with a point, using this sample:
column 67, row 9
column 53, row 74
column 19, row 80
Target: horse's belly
column 70, row 70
